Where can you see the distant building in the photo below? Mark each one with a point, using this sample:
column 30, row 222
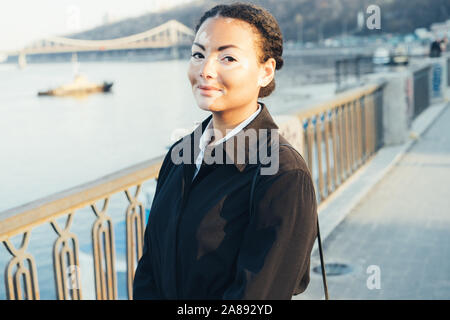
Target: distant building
column 441, row 29
column 423, row 33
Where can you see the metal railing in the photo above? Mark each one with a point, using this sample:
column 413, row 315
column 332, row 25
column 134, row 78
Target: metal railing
column 448, row 70
column 22, row 283
column 348, row 71
column 421, row 83
column 339, row 135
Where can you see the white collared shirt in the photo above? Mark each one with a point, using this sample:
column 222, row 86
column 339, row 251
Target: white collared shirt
column 208, row 134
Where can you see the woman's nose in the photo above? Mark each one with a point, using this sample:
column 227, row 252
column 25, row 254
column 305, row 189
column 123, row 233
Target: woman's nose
column 208, row 69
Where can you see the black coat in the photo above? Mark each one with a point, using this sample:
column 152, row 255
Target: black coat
column 199, row 241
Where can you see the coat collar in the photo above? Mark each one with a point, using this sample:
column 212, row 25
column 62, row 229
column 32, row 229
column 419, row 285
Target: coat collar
column 230, row 147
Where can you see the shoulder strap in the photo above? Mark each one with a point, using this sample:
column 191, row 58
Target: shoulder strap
column 322, row 264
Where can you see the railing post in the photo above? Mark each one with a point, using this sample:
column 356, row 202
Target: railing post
column 342, row 149
column 395, row 121
column 448, row 74
column 318, row 130
column 334, row 134
column 326, row 124
column 357, row 61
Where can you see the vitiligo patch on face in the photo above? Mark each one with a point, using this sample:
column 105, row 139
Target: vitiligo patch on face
column 204, row 101
column 196, row 61
column 203, row 38
column 244, row 62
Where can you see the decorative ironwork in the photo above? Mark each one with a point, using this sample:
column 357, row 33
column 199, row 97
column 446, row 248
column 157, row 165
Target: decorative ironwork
column 104, row 254
column 66, row 246
column 135, row 221
column 13, row 281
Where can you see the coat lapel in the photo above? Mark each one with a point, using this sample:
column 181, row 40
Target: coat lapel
column 189, row 168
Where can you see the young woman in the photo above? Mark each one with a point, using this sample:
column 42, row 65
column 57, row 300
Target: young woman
column 203, row 241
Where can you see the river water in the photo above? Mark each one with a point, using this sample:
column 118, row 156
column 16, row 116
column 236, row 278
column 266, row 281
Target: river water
column 50, row 144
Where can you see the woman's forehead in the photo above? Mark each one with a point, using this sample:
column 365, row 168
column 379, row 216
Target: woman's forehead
column 219, row 31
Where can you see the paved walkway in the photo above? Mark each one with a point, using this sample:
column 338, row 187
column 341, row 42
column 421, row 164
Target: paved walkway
column 402, row 227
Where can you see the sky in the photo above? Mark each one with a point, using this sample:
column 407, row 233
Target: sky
column 23, row 21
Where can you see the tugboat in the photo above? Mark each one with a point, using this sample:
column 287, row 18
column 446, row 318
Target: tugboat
column 80, row 86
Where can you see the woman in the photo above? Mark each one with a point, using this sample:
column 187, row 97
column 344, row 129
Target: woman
column 201, row 241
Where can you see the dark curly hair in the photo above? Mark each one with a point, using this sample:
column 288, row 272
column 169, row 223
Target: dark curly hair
column 270, row 39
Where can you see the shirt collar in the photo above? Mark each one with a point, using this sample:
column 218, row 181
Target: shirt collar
column 208, row 133
column 262, row 120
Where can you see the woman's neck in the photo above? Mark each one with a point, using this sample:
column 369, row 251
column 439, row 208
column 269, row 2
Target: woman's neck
column 230, row 119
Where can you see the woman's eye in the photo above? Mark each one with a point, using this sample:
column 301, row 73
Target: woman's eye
column 229, row 59
column 197, row 55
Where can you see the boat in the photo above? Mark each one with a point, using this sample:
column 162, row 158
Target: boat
column 80, row 86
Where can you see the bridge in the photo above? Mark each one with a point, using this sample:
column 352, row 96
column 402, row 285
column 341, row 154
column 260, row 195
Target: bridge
column 169, row 34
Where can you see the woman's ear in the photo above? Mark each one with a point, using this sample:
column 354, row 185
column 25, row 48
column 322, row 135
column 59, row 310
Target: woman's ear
column 267, row 72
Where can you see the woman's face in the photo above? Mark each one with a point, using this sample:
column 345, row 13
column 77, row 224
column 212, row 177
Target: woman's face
column 225, row 59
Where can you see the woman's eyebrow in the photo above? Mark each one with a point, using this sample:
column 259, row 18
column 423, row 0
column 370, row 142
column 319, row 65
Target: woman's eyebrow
column 219, row 48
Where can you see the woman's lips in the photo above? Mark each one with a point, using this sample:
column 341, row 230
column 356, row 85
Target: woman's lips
column 208, row 91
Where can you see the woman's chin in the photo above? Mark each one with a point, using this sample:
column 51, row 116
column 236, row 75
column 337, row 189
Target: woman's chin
column 210, row 107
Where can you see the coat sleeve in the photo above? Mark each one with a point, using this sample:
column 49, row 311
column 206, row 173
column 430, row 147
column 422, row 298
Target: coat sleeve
column 143, row 282
column 275, row 253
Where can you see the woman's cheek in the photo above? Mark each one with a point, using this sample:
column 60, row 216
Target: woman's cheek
column 235, row 76
column 233, row 66
column 192, row 70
